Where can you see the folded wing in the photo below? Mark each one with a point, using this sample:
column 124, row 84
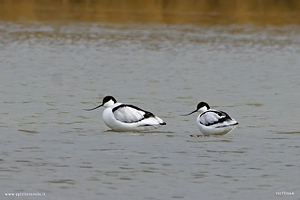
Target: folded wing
column 213, row 117
column 130, row 114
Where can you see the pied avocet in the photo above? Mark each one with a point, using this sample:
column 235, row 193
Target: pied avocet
column 126, row 117
column 213, row 122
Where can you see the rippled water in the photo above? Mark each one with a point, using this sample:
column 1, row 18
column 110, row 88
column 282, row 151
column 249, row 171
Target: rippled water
column 50, row 72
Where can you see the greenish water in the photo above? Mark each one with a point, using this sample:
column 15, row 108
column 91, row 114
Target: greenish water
column 50, row 72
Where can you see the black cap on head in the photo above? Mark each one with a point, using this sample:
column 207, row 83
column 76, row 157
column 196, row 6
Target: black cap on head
column 202, row 104
column 107, row 99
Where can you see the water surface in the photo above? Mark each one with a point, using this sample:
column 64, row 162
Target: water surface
column 50, row 71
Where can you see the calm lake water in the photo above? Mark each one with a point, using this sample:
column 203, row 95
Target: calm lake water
column 51, row 71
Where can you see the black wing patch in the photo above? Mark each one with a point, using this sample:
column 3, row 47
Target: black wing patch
column 130, row 113
column 212, row 117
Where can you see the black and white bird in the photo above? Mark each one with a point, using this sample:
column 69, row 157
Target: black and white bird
column 126, row 117
column 213, row 122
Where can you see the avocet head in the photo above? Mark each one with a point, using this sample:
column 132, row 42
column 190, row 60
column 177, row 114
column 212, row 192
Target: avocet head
column 201, row 107
column 107, row 101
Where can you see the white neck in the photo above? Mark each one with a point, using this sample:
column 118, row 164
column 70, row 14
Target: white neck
column 108, row 104
column 203, row 109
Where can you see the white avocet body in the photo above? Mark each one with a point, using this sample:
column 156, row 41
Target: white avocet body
column 126, row 117
column 213, row 122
